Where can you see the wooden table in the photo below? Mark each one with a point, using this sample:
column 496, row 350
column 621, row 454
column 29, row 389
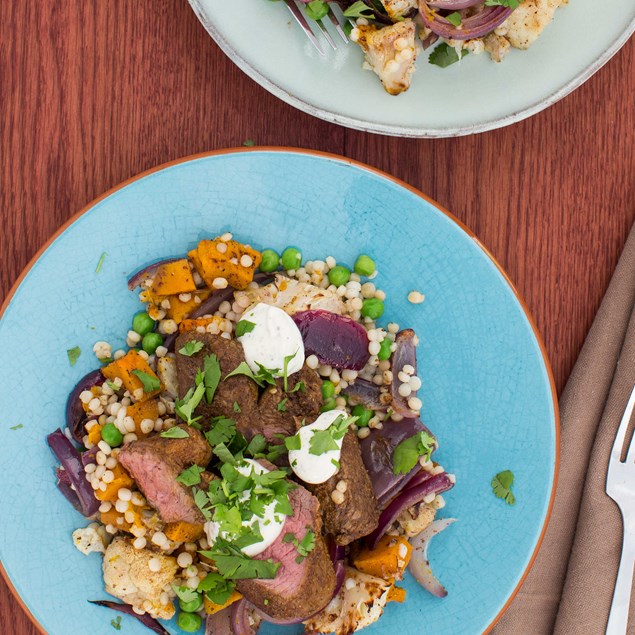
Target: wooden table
column 91, row 93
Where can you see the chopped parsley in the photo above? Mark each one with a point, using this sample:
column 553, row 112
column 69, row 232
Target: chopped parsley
column 211, row 376
column 285, row 370
column 304, row 546
column 191, row 348
column 454, row 18
column 222, row 430
column 236, row 407
column 185, row 407
column 257, row 445
column 317, row 9
column 73, row 354
column 184, row 593
column 100, row 263
column 20, row 425
column 502, row 486
column 325, row 440
column 300, row 385
column 262, row 377
column 233, row 564
column 216, row 588
column 510, row 4
column 114, row 387
column 408, row 452
column 116, row 623
column 150, row 383
column 175, row 433
column 359, row 9
column 244, row 326
column 282, row 406
column 191, row 476
column 249, row 143
column 444, row 55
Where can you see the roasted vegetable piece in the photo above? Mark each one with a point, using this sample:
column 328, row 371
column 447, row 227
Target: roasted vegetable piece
column 230, row 260
column 94, row 434
column 148, row 409
column 173, row 278
column 212, row 607
column 180, row 309
column 387, row 560
column 192, row 325
column 124, row 367
column 181, row 531
column 122, row 479
column 396, row 594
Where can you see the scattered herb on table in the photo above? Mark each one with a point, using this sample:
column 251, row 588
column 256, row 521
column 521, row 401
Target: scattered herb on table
column 501, row 486
column 100, row 263
column 73, row 354
column 116, row 623
column 20, row 425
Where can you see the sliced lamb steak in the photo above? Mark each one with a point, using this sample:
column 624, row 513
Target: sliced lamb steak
column 358, row 515
column 299, row 589
column 155, row 462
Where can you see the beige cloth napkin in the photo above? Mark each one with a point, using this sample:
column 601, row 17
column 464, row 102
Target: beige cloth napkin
column 569, row 589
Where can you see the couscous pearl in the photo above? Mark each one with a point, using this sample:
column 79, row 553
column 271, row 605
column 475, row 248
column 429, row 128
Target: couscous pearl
column 416, row 297
column 374, row 347
column 144, row 355
column 341, row 486
column 395, row 416
column 161, row 351
column 102, row 487
column 130, row 437
column 439, row 502
column 312, row 361
column 408, row 369
column 190, row 571
column 334, row 376
column 111, row 462
column 137, row 499
column 437, row 470
column 154, row 564
column 414, row 403
column 104, row 447
column 415, row 383
column 363, row 433
column 380, row 295
column 147, row 425
column 106, row 506
column 99, row 472
column 90, row 468
column 184, row 559
column 388, row 377
column 337, row 497
column 404, row 390
column 100, row 458
column 86, row 396
column 118, row 354
column 192, row 583
column 403, row 377
column 90, row 425
column 168, row 327
column 225, row 307
column 139, row 543
column 246, row 261
column 429, row 498
column 129, row 424
column 129, row 517
column 94, row 404
column 159, row 539
column 124, row 494
column 451, row 478
column 133, row 336
column 219, row 283
column 349, row 375
column 378, row 380
column 121, row 506
column 191, row 546
column 393, row 328
column 325, row 370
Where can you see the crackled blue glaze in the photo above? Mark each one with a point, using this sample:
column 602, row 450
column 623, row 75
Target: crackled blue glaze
column 486, row 389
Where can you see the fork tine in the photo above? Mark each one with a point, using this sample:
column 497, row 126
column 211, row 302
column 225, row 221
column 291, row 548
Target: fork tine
column 301, row 20
column 336, row 23
column 327, row 35
column 616, row 452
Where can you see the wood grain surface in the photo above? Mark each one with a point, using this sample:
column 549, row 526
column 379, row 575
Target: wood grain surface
column 93, row 92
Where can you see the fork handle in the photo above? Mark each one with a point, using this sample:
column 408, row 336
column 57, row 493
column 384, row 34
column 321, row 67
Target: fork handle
column 618, row 617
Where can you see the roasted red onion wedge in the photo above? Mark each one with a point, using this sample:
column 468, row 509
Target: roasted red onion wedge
column 420, row 565
column 75, row 415
column 145, row 619
column 244, row 619
column 146, row 272
column 474, row 26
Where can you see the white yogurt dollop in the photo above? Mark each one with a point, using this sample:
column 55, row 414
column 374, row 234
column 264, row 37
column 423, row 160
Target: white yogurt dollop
column 270, row 525
column 273, row 337
column 313, row 468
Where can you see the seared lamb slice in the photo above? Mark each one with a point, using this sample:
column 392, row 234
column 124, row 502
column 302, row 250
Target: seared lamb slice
column 299, row 589
column 358, row 514
column 238, row 390
column 155, row 462
column 277, row 410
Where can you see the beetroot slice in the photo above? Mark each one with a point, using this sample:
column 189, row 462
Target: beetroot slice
column 336, row 340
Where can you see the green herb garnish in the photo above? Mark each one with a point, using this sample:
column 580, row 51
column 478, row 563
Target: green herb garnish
column 262, row 377
column 233, row 564
column 501, row 486
column 326, row 440
column 216, row 588
column 316, row 9
column 510, row 4
column 191, row 476
column 211, row 376
column 244, row 326
column 185, row 407
column 191, row 348
column 359, row 9
column 249, row 143
column 100, row 263
column 116, row 623
column 20, row 425
column 150, row 383
column 236, row 407
column 454, row 18
column 408, row 452
column 73, row 354
column 175, row 433
column 184, row 593
column 282, row 406
column 444, row 55
column 222, row 430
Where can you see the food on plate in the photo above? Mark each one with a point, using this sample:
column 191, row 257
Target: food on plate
column 388, row 30
column 257, row 453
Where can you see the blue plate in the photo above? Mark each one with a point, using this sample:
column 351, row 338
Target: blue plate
column 487, row 388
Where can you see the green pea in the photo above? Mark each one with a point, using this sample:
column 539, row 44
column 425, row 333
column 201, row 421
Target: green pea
column 339, row 275
column 364, row 415
column 291, row 259
column 372, row 308
column 142, row 323
column 364, row 266
column 150, row 342
column 189, row 622
column 270, row 260
column 111, row 435
column 384, row 349
column 328, row 389
column 329, row 404
column 192, row 606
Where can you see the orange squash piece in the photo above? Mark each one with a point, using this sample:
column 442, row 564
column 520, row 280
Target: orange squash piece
column 148, row 409
column 387, row 560
column 212, row 607
column 173, row 278
column 191, row 325
column 124, row 367
column 94, row 434
column 396, row 594
column 183, row 532
column 179, row 310
column 224, row 259
column 122, row 479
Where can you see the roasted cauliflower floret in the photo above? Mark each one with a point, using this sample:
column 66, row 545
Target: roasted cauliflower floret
column 526, row 23
column 89, row 539
column 390, row 52
column 416, row 518
column 128, row 576
column 359, row 603
column 292, row 296
column 397, row 9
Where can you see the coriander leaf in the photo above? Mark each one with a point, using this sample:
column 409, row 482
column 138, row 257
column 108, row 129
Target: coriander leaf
column 191, row 348
column 244, row 326
column 175, row 433
column 293, row 443
column 285, row 370
column 113, row 386
column 116, row 623
column 249, row 143
column 202, row 502
column 233, row 564
column 444, row 55
column 359, row 10
column 511, row 4
column 322, row 441
column 185, row 407
column 229, row 518
column 317, row 9
column 223, row 453
column 73, row 354
column 282, row 406
column 336, row 463
column 257, row 445
column 407, row 453
column 216, row 588
column 100, row 263
column 211, row 376
column 301, row 386
column 501, row 486
column 20, row 425
column 150, row 382
column 236, row 407
column 243, row 369
column 454, row 18
column 184, row 593
column 307, row 544
column 289, row 537
column 222, row 430
column 191, row 476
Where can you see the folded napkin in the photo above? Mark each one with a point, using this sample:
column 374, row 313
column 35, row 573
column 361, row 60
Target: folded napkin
column 570, row 588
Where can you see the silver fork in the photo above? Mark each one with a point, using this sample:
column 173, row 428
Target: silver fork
column 297, row 10
column 620, row 486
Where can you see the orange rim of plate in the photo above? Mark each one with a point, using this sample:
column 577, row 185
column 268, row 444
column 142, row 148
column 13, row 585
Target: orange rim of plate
column 410, row 188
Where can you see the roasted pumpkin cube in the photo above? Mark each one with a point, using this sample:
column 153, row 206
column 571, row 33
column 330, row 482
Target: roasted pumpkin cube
column 229, row 259
column 184, row 532
column 387, row 560
column 192, row 325
column 124, row 368
column 173, row 278
column 212, row 607
column 179, row 309
column 94, row 434
column 396, row 594
column 148, row 409
column 122, row 479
